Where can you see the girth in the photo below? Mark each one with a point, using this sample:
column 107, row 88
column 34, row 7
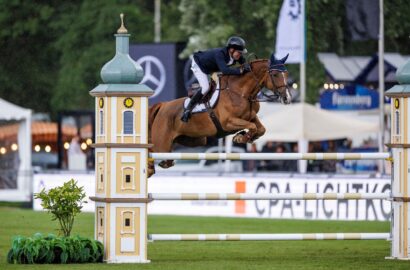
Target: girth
column 220, row 132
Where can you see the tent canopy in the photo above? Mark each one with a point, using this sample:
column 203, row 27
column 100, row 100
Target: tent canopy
column 10, row 111
column 302, row 121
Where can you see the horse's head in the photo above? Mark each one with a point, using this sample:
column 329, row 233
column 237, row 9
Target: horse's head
column 278, row 78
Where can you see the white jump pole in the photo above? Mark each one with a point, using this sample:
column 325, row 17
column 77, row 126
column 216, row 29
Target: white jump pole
column 269, row 156
column 268, row 237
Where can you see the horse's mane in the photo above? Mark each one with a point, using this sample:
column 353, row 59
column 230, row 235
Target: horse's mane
column 251, row 62
column 258, row 60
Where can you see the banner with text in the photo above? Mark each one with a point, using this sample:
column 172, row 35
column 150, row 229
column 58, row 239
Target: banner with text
column 286, row 209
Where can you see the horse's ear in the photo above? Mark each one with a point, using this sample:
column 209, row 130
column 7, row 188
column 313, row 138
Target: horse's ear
column 283, row 60
column 272, row 58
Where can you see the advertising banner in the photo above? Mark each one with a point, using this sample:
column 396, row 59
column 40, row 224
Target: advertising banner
column 355, row 97
column 163, row 70
column 277, row 209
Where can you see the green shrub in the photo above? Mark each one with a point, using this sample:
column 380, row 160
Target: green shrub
column 52, row 249
column 64, row 203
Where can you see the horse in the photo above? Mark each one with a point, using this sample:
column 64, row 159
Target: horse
column 235, row 111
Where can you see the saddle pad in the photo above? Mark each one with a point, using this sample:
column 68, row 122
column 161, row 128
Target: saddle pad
column 200, row 107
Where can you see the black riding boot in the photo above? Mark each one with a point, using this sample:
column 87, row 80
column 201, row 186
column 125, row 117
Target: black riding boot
column 194, row 100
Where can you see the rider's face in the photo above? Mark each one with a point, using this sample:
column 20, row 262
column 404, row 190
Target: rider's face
column 236, row 54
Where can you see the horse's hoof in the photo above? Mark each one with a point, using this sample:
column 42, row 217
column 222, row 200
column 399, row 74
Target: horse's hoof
column 166, row 164
column 239, row 139
column 151, row 172
column 243, row 138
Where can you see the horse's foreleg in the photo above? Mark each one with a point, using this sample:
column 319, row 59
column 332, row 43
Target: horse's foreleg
column 260, row 129
column 240, row 124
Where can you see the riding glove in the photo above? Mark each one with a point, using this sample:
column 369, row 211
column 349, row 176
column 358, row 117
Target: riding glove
column 246, row 68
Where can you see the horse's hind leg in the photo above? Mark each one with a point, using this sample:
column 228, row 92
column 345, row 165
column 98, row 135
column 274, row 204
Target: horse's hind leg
column 163, row 144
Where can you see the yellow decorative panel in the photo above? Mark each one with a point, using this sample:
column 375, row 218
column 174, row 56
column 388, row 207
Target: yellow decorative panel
column 108, row 175
column 127, row 225
column 100, row 224
column 100, row 174
column 101, row 119
column 397, row 121
column 128, row 228
column 128, row 164
column 138, row 119
column 128, row 139
column 127, row 178
column 405, row 120
column 107, row 246
column 120, row 109
column 108, row 124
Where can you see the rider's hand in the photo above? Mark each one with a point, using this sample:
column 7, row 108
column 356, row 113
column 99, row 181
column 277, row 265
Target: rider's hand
column 246, row 68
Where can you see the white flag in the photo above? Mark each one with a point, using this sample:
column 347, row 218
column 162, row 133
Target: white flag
column 290, row 32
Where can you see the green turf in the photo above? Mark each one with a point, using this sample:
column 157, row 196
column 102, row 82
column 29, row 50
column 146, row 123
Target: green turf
column 356, row 255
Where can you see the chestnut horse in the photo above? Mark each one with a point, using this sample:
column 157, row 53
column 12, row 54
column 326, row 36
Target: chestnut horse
column 235, row 110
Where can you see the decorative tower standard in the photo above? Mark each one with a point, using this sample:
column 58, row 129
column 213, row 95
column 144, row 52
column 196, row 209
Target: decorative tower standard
column 121, row 153
column 400, row 145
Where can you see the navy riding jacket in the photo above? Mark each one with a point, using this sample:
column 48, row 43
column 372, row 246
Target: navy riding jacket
column 215, row 60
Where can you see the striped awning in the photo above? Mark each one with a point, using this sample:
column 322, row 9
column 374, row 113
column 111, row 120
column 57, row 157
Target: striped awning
column 40, row 131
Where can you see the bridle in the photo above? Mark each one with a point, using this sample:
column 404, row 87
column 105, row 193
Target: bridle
column 276, row 93
column 273, row 68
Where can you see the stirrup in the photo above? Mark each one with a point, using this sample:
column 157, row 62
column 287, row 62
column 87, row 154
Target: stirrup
column 185, row 116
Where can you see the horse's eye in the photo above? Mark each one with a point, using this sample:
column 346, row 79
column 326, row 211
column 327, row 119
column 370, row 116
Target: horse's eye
column 275, row 75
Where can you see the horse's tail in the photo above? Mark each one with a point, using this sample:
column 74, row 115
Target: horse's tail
column 152, row 113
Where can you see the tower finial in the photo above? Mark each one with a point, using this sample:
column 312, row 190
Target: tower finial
column 122, row 29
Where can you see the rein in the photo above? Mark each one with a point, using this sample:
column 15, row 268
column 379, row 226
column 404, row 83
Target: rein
column 259, row 85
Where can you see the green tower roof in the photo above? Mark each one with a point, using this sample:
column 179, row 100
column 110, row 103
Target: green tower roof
column 403, row 77
column 121, row 75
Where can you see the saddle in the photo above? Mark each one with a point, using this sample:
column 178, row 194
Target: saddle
column 209, row 102
column 195, row 87
column 210, row 99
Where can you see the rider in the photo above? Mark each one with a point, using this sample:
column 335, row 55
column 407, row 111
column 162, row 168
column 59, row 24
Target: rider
column 214, row 60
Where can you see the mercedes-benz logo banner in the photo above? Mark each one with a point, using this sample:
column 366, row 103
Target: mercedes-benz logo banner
column 163, row 71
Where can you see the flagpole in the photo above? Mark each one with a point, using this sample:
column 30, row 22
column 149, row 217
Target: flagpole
column 381, row 80
column 303, row 58
column 303, row 144
column 157, row 21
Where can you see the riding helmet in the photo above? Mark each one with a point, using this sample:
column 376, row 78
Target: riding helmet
column 237, row 43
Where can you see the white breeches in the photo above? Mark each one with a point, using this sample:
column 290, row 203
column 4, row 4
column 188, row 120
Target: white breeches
column 201, row 77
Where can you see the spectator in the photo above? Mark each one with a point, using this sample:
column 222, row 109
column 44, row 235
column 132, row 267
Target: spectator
column 292, row 165
column 278, row 165
column 315, row 165
column 330, row 165
column 252, row 165
column 269, row 147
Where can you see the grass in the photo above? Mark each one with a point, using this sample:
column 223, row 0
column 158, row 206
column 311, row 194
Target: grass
column 356, row 255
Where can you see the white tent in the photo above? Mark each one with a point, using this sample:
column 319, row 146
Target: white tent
column 11, row 112
column 302, row 121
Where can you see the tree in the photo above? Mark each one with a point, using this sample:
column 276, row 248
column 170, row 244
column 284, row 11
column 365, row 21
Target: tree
column 29, row 64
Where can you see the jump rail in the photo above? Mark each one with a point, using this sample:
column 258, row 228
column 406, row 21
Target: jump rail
column 261, row 196
column 121, row 215
column 269, row 156
column 269, row 237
